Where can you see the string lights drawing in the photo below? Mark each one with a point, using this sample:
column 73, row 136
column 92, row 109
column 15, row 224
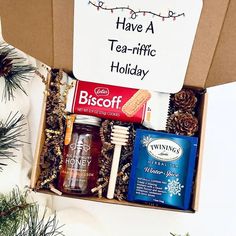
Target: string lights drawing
column 134, row 14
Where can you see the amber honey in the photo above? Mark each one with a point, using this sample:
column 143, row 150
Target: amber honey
column 79, row 171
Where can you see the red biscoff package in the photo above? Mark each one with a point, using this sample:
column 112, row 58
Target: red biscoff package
column 119, row 103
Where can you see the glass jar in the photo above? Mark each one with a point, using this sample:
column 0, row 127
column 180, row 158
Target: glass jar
column 79, row 171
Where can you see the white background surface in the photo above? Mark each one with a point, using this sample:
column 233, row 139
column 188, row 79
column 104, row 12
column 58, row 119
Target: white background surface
column 216, row 215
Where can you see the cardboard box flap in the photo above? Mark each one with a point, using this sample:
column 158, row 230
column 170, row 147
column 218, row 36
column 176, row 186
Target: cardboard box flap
column 206, row 42
column 44, row 29
column 28, row 25
column 223, row 68
column 63, row 19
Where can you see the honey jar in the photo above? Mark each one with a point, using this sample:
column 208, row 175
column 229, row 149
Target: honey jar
column 79, row 171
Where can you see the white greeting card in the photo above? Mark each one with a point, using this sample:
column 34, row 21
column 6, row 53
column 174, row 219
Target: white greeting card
column 137, row 44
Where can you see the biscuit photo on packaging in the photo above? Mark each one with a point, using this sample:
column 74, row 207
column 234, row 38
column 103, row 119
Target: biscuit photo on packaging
column 132, row 106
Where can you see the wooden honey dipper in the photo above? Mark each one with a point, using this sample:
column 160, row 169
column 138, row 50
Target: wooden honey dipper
column 119, row 137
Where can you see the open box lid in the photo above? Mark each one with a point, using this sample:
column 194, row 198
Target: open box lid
column 44, row 30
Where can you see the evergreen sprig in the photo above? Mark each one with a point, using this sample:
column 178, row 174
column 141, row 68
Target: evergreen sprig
column 11, row 132
column 14, row 70
column 20, row 218
column 12, row 207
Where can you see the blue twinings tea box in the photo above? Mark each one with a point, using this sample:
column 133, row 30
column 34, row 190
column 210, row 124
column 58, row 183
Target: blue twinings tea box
column 163, row 169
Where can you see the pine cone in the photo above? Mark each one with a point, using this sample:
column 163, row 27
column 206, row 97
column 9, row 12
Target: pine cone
column 5, row 65
column 184, row 100
column 182, row 124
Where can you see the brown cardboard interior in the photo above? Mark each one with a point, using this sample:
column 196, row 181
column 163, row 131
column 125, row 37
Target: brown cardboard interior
column 202, row 120
column 44, row 29
column 40, row 140
column 114, row 201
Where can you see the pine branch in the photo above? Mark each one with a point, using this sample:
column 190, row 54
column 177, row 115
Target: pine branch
column 14, row 70
column 35, row 226
column 10, row 133
column 20, row 218
column 12, row 207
